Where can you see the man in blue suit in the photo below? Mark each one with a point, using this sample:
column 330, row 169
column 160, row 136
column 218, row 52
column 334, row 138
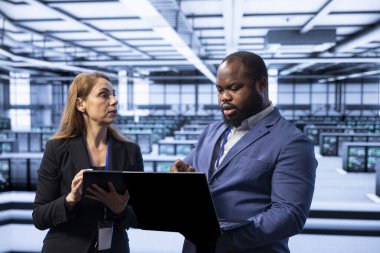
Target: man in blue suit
column 261, row 168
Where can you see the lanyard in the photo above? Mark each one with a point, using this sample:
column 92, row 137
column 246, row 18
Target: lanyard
column 221, row 151
column 106, row 167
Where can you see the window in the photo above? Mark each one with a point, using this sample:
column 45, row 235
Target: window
column 19, row 96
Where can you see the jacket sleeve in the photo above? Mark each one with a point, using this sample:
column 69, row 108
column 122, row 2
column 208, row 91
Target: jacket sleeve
column 49, row 207
column 292, row 189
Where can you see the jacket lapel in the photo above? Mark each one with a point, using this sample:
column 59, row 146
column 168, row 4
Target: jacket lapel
column 78, row 153
column 261, row 129
column 213, row 144
column 117, row 155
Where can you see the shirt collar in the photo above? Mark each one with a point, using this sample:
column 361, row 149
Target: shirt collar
column 249, row 123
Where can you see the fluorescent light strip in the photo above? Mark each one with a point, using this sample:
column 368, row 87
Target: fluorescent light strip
column 51, row 65
column 184, row 62
column 148, row 13
column 350, row 76
column 232, row 16
column 322, row 13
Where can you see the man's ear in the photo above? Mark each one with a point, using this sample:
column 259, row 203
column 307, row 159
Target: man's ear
column 261, row 85
column 80, row 105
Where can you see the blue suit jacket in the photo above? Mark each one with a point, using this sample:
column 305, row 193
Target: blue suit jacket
column 266, row 181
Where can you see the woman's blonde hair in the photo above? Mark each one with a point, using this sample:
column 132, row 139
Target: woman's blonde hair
column 72, row 121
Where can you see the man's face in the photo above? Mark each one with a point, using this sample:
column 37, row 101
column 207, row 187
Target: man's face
column 238, row 96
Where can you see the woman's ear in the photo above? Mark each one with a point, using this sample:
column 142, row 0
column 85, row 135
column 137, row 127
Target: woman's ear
column 80, row 105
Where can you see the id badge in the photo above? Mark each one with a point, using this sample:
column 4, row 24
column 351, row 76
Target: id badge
column 105, row 231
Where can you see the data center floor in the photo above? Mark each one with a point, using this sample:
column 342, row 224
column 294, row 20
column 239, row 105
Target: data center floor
column 335, row 191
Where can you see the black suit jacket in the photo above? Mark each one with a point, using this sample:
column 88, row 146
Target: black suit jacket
column 74, row 230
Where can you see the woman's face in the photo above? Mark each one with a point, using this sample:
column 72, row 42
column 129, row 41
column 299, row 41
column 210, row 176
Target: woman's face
column 100, row 105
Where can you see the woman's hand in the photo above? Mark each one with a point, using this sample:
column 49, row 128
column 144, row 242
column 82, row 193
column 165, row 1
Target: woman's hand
column 113, row 200
column 75, row 194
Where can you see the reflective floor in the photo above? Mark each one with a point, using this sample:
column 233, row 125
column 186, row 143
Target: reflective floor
column 335, row 191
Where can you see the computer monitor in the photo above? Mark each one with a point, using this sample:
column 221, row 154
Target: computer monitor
column 377, row 188
column 4, row 175
column 148, row 166
column 163, row 166
column 373, row 156
column 179, row 136
column 34, row 167
column 374, row 138
column 193, row 136
column 183, row 149
column 145, row 143
column 22, row 142
column 35, row 142
column 329, row 146
column 19, row 174
column 6, row 147
column 131, row 137
column 5, row 123
column 356, row 159
column 166, row 149
column 312, row 133
column 359, row 138
column 341, row 140
column 44, row 138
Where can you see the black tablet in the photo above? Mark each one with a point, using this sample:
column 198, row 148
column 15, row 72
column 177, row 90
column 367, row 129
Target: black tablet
column 101, row 178
column 177, row 202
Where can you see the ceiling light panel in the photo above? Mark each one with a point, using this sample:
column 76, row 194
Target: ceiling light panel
column 51, row 25
column 26, row 11
column 78, row 35
column 119, row 24
column 98, row 9
column 275, row 21
column 281, row 6
column 126, row 35
column 209, row 7
column 353, row 19
column 357, row 6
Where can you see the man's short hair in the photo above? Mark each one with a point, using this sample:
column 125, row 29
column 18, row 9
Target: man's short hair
column 255, row 67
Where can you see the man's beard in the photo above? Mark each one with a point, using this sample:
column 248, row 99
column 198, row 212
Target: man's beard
column 255, row 105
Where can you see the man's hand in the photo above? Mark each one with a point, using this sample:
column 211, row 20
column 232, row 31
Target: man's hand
column 180, row 166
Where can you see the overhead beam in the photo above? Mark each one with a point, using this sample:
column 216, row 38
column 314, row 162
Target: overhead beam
column 350, row 76
column 232, row 16
column 361, row 38
column 293, row 37
column 145, row 10
column 65, row 16
column 182, row 62
column 322, row 13
column 32, row 31
column 16, row 59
